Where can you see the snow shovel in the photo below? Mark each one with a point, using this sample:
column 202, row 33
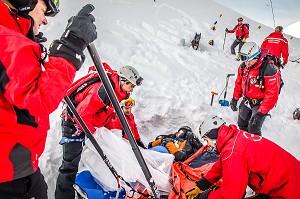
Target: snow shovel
column 225, row 102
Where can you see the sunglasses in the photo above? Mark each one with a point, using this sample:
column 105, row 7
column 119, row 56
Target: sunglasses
column 52, row 8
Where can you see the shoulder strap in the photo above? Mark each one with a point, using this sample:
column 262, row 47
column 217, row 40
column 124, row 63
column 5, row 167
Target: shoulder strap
column 82, row 87
column 243, row 27
column 262, row 70
column 243, row 66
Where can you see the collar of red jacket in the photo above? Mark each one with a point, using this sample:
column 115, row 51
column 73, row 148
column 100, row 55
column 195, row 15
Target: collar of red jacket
column 14, row 21
column 276, row 34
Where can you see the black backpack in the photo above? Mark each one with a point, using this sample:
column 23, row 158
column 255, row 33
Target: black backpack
column 267, row 58
column 245, row 24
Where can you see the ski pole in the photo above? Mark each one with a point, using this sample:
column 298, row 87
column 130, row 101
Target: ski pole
column 90, row 136
column 224, row 40
column 112, row 96
column 213, row 93
column 227, row 79
column 93, row 140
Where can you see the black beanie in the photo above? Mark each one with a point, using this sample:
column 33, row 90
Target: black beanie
column 213, row 134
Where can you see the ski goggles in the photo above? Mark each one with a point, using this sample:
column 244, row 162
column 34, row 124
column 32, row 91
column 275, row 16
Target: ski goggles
column 245, row 57
column 52, row 8
column 127, row 102
column 139, row 81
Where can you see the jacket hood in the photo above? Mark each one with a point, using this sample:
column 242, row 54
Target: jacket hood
column 225, row 133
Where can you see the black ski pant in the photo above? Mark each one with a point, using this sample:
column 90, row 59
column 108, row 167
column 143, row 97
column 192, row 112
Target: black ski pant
column 69, row 167
column 32, row 186
column 246, row 112
column 234, row 44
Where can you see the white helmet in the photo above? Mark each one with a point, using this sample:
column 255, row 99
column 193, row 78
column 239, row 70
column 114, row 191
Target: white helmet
column 249, row 51
column 130, row 74
column 210, row 127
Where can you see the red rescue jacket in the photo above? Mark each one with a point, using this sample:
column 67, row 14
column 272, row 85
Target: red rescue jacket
column 114, row 123
column 241, row 30
column 247, row 159
column 93, row 102
column 277, row 45
column 246, row 85
column 28, row 94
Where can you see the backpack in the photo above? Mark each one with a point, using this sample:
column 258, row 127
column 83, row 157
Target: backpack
column 245, row 24
column 261, row 75
column 80, row 85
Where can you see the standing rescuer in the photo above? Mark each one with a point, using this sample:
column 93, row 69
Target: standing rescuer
column 259, row 89
column 25, row 81
column 277, row 46
column 241, row 33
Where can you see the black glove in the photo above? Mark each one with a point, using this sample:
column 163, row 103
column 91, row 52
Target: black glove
column 150, row 145
column 71, row 130
column 256, row 118
column 39, row 38
column 233, row 104
column 203, row 184
column 141, row 144
column 204, row 194
column 226, row 29
column 256, row 123
column 80, row 32
column 166, row 140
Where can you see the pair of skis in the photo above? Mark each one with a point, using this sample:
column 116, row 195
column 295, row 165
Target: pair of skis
column 112, row 96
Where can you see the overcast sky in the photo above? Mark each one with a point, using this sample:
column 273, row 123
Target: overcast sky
column 286, row 12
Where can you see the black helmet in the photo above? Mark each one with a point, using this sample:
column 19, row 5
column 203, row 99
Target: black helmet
column 240, row 19
column 183, row 131
column 296, row 114
column 28, row 5
column 279, row 29
column 24, row 5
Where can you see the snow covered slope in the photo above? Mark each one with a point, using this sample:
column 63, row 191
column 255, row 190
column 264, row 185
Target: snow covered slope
column 177, row 79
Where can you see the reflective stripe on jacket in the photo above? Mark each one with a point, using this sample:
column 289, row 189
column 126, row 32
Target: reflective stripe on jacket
column 277, row 45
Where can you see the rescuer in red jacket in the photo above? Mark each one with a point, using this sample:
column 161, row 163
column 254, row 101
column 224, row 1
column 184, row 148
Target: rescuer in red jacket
column 277, row 45
column 259, row 94
column 241, row 33
column 246, row 159
column 32, row 86
column 93, row 105
column 114, row 122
